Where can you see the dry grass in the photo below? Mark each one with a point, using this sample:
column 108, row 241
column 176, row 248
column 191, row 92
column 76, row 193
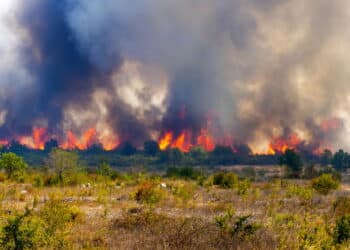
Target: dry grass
column 290, row 214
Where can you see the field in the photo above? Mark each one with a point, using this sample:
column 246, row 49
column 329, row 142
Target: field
column 244, row 207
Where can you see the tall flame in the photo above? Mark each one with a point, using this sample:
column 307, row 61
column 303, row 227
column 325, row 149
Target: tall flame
column 280, row 145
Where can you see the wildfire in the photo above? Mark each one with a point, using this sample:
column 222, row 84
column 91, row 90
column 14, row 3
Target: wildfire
column 185, row 141
column 165, row 142
column 182, row 142
column 206, row 141
column 40, row 136
column 87, row 139
column 280, row 145
column 36, row 140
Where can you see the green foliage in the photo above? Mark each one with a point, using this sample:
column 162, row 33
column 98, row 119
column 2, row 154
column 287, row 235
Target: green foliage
column 172, row 156
column 243, row 228
column 198, row 154
column 23, row 232
column 184, row 173
column 225, row 180
column 222, row 155
column 341, row 160
column 293, row 162
column 151, row 148
column 105, row 169
column 341, row 206
column 303, row 193
column 127, row 149
column 43, row 229
column 65, row 167
column 243, row 187
column 13, row 165
column 325, row 183
column 342, row 229
column 224, row 220
column 148, row 193
column 184, row 191
column 326, row 157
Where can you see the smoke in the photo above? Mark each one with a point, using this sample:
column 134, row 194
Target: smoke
column 253, row 69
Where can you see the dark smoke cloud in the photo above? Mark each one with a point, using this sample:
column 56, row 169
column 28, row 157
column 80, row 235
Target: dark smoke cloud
column 258, row 69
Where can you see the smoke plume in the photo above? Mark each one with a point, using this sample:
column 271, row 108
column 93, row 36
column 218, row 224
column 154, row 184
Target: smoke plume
column 253, row 70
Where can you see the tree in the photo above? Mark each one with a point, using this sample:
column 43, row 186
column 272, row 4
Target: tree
column 326, row 158
column 341, row 160
column 51, row 144
column 325, row 183
column 13, row 164
column 342, row 229
column 151, row 148
column 62, row 162
column 198, row 154
column 127, row 149
column 173, row 156
column 222, row 155
column 293, row 162
column 104, row 169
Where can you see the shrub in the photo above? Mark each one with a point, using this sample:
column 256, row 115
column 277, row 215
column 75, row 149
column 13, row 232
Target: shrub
column 243, row 187
column 183, row 191
column 105, row 169
column 23, row 232
column 342, row 229
column 185, row 173
column 225, row 180
column 303, row 193
column 13, row 165
column 243, row 228
column 148, row 193
column 325, row 183
column 341, row 206
column 293, row 162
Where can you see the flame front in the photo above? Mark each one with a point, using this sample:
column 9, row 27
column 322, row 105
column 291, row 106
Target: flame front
column 280, row 145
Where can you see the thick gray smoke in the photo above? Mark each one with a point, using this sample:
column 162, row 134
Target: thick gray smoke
column 258, row 69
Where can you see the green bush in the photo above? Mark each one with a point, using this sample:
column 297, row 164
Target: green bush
column 243, row 228
column 13, row 165
column 325, row 183
column 341, row 206
column 148, row 193
column 184, row 173
column 342, row 229
column 243, row 187
column 225, row 180
column 23, row 232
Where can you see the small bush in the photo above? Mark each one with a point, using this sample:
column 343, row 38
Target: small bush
column 148, row 193
column 225, row 180
column 341, row 206
column 303, row 193
column 325, row 183
column 184, row 173
column 23, row 232
column 243, row 187
column 342, row 229
column 243, row 228
column 2, row 177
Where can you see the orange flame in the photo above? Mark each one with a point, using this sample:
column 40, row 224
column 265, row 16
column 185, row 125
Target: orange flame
column 83, row 143
column 206, row 141
column 280, row 145
column 165, row 141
